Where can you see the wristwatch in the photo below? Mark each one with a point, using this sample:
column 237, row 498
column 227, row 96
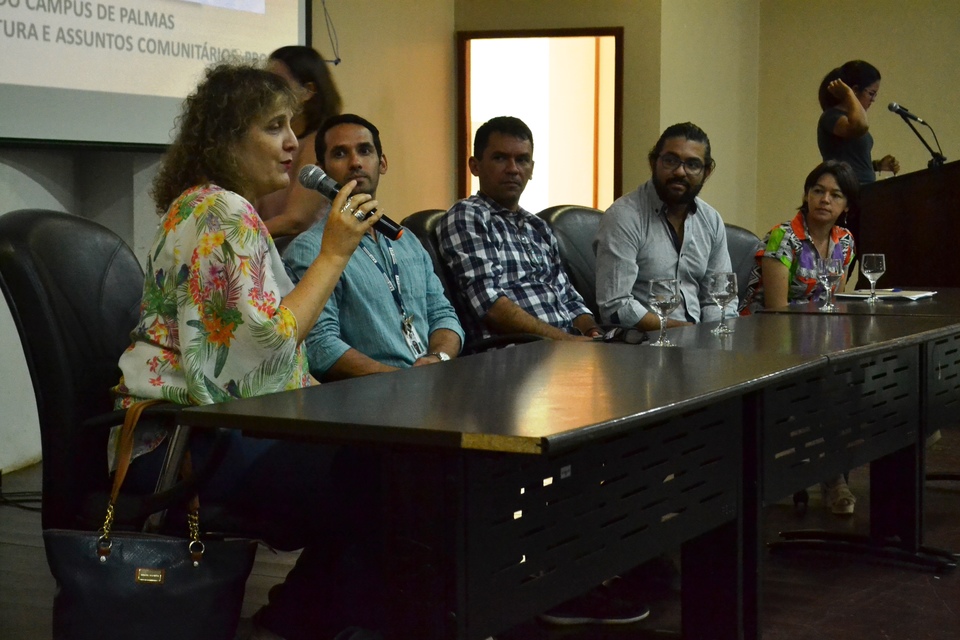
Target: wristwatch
column 439, row 355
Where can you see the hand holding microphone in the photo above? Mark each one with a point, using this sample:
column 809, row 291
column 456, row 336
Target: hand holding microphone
column 315, row 178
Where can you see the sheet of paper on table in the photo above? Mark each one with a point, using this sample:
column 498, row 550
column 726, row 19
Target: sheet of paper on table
column 886, row 294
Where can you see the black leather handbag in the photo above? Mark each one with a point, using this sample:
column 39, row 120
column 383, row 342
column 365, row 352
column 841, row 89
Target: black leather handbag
column 138, row 585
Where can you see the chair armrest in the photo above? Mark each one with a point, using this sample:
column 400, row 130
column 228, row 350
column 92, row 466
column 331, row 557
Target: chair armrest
column 166, row 413
column 499, row 342
column 134, row 508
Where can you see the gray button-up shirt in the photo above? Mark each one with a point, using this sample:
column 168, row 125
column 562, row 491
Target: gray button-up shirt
column 634, row 246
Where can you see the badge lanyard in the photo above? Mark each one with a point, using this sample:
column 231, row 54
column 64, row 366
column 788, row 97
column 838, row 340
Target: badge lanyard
column 417, row 347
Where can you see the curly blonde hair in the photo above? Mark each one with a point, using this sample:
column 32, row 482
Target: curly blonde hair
column 213, row 119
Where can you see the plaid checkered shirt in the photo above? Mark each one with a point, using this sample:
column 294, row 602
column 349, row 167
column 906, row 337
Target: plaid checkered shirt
column 495, row 252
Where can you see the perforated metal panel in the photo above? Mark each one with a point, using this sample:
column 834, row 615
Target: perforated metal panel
column 541, row 529
column 861, row 409
column 943, row 382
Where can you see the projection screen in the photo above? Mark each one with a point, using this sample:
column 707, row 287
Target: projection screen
column 115, row 72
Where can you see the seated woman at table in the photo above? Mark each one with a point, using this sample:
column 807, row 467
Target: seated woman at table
column 786, row 269
column 220, row 320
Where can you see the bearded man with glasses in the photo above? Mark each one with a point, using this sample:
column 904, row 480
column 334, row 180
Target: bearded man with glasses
column 663, row 230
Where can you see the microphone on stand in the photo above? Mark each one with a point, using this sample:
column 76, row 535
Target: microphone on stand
column 936, row 157
column 315, row 178
column 903, row 112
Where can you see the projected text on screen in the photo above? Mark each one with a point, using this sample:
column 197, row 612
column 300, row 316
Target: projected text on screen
column 139, row 47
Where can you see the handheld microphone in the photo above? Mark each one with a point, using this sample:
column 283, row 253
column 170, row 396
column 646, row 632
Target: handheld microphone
column 315, row 178
column 902, row 111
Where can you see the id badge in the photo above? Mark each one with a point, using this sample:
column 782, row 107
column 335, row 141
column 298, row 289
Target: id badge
column 417, row 347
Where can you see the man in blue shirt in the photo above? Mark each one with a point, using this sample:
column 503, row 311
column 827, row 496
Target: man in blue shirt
column 388, row 310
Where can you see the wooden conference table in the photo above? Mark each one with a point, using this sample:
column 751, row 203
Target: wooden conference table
column 940, row 357
column 866, row 406
column 523, row 477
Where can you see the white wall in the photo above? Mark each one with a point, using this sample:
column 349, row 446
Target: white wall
column 110, row 187
column 28, row 179
column 915, row 45
column 710, row 75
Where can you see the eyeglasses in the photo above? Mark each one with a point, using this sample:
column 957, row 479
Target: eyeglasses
column 820, row 192
column 693, row 166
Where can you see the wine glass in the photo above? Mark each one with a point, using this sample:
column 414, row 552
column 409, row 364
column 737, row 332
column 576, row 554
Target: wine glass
column 664, row 298
column 872, row 266
column 829, row 273
column 722, row 287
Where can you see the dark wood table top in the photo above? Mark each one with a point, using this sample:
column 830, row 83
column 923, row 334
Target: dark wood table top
column 946, row 303
column 531, row 398
column 835, row 336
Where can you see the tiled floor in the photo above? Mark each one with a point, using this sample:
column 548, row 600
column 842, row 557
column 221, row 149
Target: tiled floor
column 806, row 595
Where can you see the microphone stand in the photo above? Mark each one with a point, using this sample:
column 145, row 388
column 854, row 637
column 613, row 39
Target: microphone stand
column 937, row 159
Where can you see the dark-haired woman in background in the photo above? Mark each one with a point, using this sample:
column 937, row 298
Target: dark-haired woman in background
column 846, row 93
column 220, row 319
column 843, row 132
column 292, row 210
column 786, row 269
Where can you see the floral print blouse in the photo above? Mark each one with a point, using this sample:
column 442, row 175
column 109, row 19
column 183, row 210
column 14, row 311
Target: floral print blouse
column 790, row 243
column 211, row 324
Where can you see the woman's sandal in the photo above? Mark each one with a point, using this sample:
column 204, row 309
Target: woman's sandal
column 839, row 499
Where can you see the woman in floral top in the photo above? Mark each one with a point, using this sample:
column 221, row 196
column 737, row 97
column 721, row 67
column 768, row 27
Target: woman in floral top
column 220, row 320
column 786, row 268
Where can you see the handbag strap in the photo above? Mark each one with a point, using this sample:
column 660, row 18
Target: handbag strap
column 125, row 445
column 124, row 457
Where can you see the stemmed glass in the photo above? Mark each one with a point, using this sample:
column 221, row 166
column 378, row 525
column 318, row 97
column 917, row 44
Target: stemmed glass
column 722, row 287
column 872, row 266
column 664, row 298
column 829, row 273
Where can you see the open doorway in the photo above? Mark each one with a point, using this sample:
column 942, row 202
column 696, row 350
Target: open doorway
column 567, row 85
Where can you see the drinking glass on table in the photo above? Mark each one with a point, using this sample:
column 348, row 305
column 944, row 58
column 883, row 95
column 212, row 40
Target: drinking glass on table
column 872, row 266
column 722, row 287
column 664, row 298
column 829, row 273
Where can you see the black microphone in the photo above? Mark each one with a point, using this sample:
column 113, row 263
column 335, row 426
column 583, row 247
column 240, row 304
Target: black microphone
column 902, row 111
column 315, row 178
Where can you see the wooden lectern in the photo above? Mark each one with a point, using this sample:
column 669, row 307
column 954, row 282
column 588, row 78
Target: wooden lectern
column 914, row 219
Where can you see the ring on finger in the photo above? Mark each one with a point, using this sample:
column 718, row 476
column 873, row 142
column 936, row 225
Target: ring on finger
column 359, row 215
column 346, row 205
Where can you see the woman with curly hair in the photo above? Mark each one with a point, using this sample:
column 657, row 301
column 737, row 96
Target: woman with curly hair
column 220, row 319
column 292, row 210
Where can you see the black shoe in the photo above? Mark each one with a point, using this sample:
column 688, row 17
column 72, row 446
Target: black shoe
column 356, row 633
column 599, row 606
column 655, row 578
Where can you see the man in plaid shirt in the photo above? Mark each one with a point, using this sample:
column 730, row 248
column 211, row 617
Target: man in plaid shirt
column 506, row 260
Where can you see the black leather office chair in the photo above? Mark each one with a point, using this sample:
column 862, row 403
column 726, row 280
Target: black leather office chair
column 742, row 245
column 575, row 228
column 423, row 224
column 73, row 288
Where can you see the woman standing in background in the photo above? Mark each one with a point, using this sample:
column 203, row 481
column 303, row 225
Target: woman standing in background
column 846, row 93
column 292, row 210
column 843, row 132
